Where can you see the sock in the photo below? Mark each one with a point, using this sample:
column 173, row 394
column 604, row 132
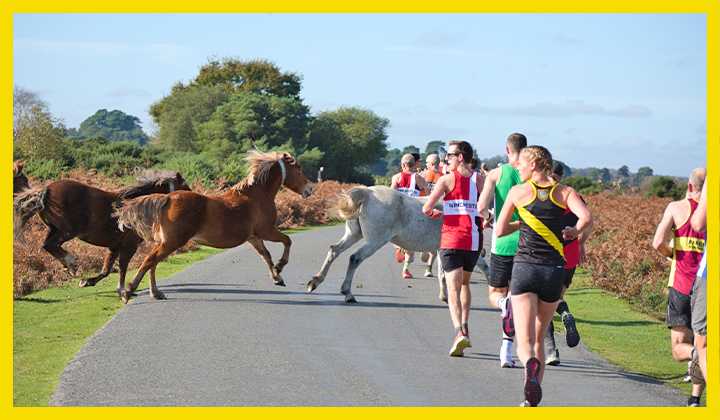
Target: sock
column 464, row 328
column 550, row 337
column 562, row 307
column 501, row 302
column 506, row 346
column 406, row 266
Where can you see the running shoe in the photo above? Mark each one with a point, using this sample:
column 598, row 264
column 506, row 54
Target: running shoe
column 407, row 275
column 571, row 333
column 508, row 325
column 400, row 255
column 428, row 272
column 533, row 392
column 425, row 257
column 506, row 361
column 461, row 343
column 693, row 402
column 553, row 357
column 524, row 404
column 688, row 377
column 696, row 376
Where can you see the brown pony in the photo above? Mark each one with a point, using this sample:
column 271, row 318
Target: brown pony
column 246, row 213
column 73, row 209
column 20, row 180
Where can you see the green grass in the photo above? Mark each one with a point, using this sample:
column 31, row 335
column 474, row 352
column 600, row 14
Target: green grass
column 612, row 328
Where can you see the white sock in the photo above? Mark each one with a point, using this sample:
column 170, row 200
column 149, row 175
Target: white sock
column 501, row 302
column 506, row 346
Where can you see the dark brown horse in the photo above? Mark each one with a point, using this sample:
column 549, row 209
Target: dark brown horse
column 73, row 209
column 245, row 213
column 20, row 180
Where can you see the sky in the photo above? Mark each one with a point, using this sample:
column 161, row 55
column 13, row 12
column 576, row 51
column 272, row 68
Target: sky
column 598, row 90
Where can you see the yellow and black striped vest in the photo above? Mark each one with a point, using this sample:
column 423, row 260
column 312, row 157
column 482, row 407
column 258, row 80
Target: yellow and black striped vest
column 541, row 224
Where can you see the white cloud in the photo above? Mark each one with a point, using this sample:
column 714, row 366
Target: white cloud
column 553, row 110
column 439, row 39
column 161, row 52
column 129, row 91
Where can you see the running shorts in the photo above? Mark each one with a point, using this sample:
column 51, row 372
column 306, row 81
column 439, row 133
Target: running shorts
column 453, row 259
column 546, row 281
column 569, row 273
column 501, row 267
column 678, row 309
column 699, row 305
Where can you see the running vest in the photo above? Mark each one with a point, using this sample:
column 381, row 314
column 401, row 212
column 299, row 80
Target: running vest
column 509, row 177
column 688, row 247
column 432, row 179
column 541, row 225
column 571, row 248
column 462, row 224
column 406, row 185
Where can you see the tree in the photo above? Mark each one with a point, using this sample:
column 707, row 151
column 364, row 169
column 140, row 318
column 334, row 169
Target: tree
column 435, row 146
column 578, row 182
column 624, row 171
column 665, row 186
column 24, row 100
column 566, row 169
column 493, row 162
column 40, row 135
column 183, row 112
column 350, row 137
column 644, row 171
column 114, row 126
column 233, row 76
column 254, row 120
column 602, row 175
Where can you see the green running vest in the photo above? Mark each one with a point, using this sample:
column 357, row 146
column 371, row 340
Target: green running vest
column 507, row 245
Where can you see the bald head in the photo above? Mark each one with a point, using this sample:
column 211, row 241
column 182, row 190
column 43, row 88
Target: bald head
column 697, row 179
column 408, row 160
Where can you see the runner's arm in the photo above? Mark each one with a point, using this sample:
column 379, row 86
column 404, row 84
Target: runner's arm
column 662, row 231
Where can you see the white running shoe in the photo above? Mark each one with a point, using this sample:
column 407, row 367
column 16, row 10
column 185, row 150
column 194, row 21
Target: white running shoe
column 506, row 361
column 459, row 345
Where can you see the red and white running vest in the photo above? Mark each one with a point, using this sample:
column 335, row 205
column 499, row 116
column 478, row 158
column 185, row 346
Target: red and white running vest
column 406, row 185
column 688, row 247
column 462, row 224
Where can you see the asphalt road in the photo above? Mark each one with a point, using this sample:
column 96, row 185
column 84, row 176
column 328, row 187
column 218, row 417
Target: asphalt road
column 226, row 336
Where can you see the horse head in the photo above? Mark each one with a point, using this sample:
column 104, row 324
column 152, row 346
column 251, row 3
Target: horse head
column 20, row 180
column 292, row 176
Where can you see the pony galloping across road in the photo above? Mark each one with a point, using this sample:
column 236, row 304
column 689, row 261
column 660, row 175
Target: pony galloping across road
column 381, row 215
column 72, row 209
column 245, row 213
column 20, row 180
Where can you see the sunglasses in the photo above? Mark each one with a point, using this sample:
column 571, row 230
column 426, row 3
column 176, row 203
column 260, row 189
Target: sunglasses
column 451, row 154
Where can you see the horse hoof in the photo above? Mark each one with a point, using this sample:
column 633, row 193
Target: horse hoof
column 159, row 296
column 125, row 296
column 311, row 286
column 350, row 299
column 82, row 283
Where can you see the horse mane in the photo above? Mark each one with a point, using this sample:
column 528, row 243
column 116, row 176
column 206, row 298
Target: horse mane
column 147, row 180
column 18, row 168
column 260, row 164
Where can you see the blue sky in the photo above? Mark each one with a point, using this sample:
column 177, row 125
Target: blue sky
column 598, row 90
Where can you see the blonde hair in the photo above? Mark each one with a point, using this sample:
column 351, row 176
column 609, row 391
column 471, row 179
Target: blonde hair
column 540, row 155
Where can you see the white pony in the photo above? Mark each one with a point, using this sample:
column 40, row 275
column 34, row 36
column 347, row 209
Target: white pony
column 381, row 215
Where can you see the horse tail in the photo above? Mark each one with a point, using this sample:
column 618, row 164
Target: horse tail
column 25, row 205
column 142, row 215
column 349, row 203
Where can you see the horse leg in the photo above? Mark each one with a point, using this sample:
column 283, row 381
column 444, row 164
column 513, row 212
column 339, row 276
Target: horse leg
column 265, row 254
column 53, row 245
column 110, row 257
column 157, row 254
column 441, row 279
column 365, row 251
column 352, row 235
column 483, row 266
column 126, row 255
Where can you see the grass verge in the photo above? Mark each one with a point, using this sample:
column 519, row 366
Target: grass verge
column 610, row 327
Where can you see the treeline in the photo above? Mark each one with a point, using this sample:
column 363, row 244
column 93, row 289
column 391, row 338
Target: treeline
column 204, row 129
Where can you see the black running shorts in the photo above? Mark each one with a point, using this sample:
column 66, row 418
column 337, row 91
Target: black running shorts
column 453, row 259
column 678, row 309
column 569, row 273
column 501, row 267
column 546, row 281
